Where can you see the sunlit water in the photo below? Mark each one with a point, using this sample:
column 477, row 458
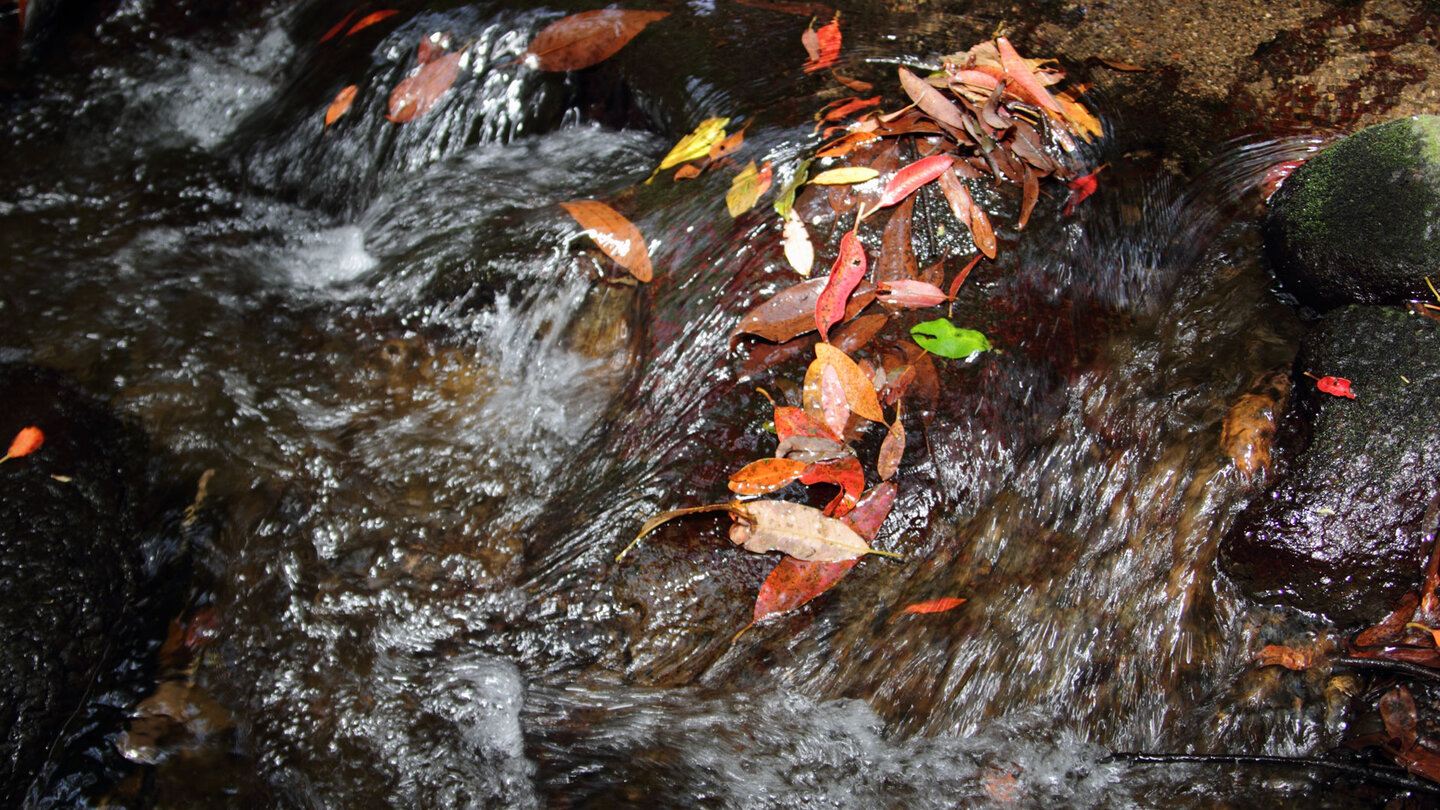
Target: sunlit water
column 433, row 425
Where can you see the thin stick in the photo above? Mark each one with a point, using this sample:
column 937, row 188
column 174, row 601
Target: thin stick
column 1363, row 772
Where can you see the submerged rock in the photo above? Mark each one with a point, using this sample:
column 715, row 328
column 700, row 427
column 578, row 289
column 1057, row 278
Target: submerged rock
column 1356, row 223
column 1342, row 533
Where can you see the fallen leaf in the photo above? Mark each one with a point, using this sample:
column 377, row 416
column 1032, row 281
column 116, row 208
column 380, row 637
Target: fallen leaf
column 1250, row 424
column 930, row 101
column 338, row 27
column 1401, row 717
column 727, row 146
column 765, row 475
column 695, row 145
column 824, row 397
column 1081, row 188
column 793, row 583
column 1029, row 196
column 854, row 84
column 370, row 19
column 431, row 47
column 911, row 294
column 1116, row 64
column 786, row 198
column 844, row 472
column 825, row 44
column 942, row 337
column 1392, row 627
column 800, row 531
column 897, row 251
column 843, row 145
column 414, row 96
column 907, row 180
column 844, row 176
column 962, row 275
column 687, row 172
column 791, row 311
column 1288, row 657
column 870, row 511
column 340, row 105
column 746, row 188
column 587, row 38
column 843, row 108
column 791, row 422
column 617, row 236
column 27, row 441
column 935, row 605
column 1335, row 387
column 799, row 252
column 845, row 275
column 892, row 449
column 972, row 216
column 859, row 392
column 1019, row 71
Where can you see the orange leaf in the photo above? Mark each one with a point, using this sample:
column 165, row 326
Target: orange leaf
column 892, row 450
column 823, row 47
column 414, row 96
column 1018, row 71
column 588, row 38
column 370, row 19
column 843, row 472
column 335, row 31
column 935, row 605
column 1030, row 195
column 790, row 421
column 859, row 392
column 27, row 441
column 341, row 104
column 793, row 582
column 1288, row 657
column 617, row 236
column 765, row 475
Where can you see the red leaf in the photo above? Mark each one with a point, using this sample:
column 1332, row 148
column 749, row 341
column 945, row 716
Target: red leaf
column 794, row 582
column 27, row 441
column 431, row 47
column 765, row 475
column 341, row 104
column 790, row 422
column 617, row 236
column 414, row 96
column 824, row 48
column 911, row 293
column 340, row 26
column 791, row 311
column 843, row 472
column 1335, row 386
column 935, row 605
column 962, row 275
column 912, row 177
column 871, row 510
column 588, row 38
column 370, row 19
column 1018, row 71
column 1081, row 188
column 845, row 274
column 1029, row 197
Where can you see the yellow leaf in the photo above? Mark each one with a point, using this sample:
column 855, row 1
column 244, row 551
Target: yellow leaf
column 845, row 176
column 697, row 144
column 798, row 250
column 744, row 190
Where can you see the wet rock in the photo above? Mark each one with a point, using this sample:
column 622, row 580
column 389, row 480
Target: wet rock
column 1341, row 533
column 69, row 566
column 1355, row 223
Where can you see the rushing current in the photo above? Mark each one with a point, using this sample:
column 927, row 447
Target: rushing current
column 434, row 414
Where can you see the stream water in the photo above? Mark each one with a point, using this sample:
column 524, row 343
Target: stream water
column 432, row 425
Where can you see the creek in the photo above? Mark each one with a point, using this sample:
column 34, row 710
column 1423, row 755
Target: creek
column 432, row 425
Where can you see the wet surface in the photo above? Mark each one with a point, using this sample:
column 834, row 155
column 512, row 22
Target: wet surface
column 434, row 415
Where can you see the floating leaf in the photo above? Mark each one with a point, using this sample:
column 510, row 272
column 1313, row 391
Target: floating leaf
column 587, row 38
column 370, row 19
column 1019, row 71
column 823, row 47
column 843, row 472
column 617, row 236
column 845, row 275
column 414, row 96
column 765, row 475
column 897, row 251
column 854, row 84
column 1335, row 387
column 844, row 176
column 726, row 146
column 947, row 340
column 935, row 605
column 746, row 188
column 786, row 199
column 824, row 396
column 798, row 250
column 27, row 441
column 791, row 422
column 910, row 178
column 1030, row 195
column 340, row 105
column 968, row 213
column 1081, row 188
column 859, row 392
column 695, row 145
column 791, row 311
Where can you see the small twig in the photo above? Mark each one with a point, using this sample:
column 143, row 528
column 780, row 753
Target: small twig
column 1386, row 665
column 1370, row 773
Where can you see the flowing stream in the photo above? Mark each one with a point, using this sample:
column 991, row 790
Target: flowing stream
column 432, row 424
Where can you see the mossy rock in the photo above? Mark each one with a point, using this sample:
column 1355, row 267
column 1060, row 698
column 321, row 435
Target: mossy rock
column 1357, row 223
column 1342, row 532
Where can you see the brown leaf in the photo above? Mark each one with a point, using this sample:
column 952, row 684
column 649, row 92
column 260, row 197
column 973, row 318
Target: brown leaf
column 897, row 255
column 617, row 236
column 414, row 96
column 1250, row 424
column 340, row 105
column 765, row 475
column 791, row 311
column 1289, row 657
column 892, row 450
column 1402, row 721
column 854, row 335
column 1030, row 195
column 859, row 392
column 588, row 38
column 980, row 231
column 1392, row 628
column 930, row 100
column 801, row 531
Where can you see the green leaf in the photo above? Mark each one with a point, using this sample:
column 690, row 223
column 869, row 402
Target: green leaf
column 944, row 338
column 786, row 200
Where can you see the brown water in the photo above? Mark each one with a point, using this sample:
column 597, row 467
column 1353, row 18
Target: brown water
column 432, row 427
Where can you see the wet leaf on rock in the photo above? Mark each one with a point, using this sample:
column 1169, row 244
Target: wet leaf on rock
column 340, row 105
column 587, row 38
column 944, row 338
column 617, row 236
column 417, row 94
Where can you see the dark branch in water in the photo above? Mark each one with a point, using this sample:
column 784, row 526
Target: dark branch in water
column 1383, row 665
column 1369, row 773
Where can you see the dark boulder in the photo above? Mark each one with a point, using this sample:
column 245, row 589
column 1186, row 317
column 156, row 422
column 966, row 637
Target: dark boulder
column 1341, row 532
column 1356, row 222
column 69, row 565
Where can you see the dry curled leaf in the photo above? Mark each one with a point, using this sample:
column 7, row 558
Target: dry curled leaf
column 617, row 236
